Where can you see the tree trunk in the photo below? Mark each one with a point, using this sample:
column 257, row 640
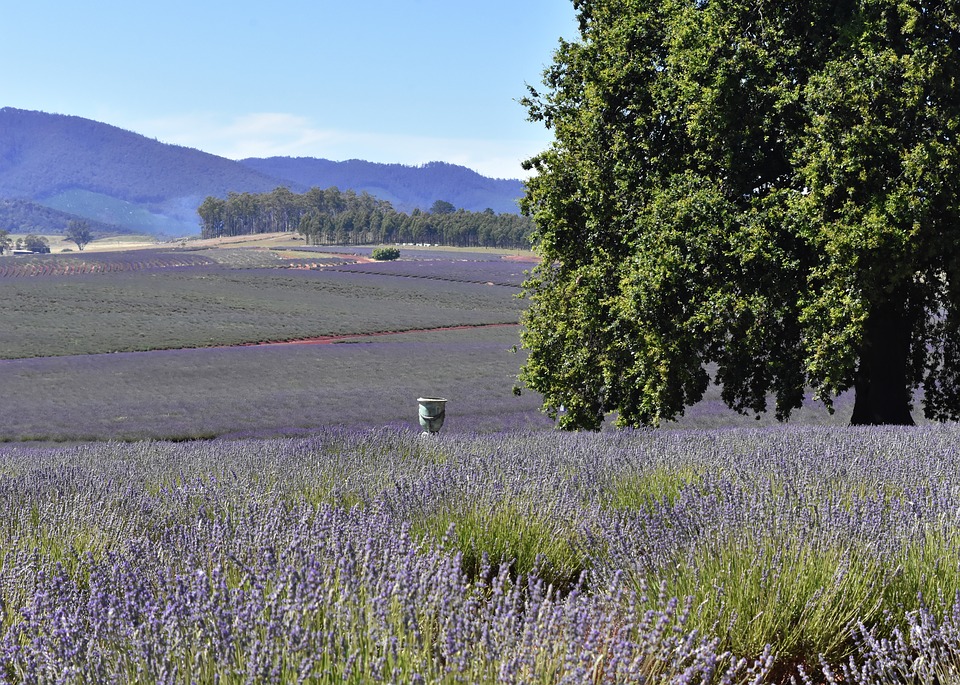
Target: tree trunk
column 882, row 397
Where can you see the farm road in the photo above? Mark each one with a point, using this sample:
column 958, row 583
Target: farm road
column 329, row 339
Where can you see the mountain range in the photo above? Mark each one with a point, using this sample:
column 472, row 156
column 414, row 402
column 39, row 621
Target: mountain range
column 54, row 168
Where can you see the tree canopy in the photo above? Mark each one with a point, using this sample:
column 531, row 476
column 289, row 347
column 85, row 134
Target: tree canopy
column 760, row 194
column 78, row 232
column 37, row 243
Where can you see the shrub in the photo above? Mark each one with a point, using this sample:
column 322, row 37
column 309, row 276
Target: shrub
column 385, row 254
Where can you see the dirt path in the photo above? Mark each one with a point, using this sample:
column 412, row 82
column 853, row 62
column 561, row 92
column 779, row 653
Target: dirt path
column 329, row 339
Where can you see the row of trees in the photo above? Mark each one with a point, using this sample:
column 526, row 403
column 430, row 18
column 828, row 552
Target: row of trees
column 339, row 217
column 32, row 242
column 77, row 231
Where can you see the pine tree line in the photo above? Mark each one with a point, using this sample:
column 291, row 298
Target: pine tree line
column 339, row 217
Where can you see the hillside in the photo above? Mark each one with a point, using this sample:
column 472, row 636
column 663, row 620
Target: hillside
column 23, row 216
column 405, row 187
column 69, row 163
column 117, row 178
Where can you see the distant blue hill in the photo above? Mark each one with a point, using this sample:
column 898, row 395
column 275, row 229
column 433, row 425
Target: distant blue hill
column 55, row 167
column 405, row 187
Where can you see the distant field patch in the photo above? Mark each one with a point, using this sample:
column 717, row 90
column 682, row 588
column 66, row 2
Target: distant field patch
column 498, row 272
column 267, row 258
column 272, row 390
column 189, row 308
column 204, row 305
column 98, row 262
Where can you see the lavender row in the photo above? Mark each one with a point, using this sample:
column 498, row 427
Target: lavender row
column 100, row 262
column 407, row 252
column 381, row 556
column 504, row 273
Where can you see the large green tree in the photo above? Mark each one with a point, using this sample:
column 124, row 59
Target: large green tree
column 760, row 193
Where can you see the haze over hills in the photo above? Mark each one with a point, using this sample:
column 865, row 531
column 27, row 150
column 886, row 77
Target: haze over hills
column 55, row 167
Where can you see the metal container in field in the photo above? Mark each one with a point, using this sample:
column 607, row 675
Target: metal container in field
column 432, row 413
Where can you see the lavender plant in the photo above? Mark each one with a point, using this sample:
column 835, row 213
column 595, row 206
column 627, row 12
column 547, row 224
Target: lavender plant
column 735, row 556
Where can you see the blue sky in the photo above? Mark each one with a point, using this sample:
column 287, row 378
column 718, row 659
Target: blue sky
column 407, row 81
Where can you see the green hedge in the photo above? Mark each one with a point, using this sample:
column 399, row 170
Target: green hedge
column 385, row 254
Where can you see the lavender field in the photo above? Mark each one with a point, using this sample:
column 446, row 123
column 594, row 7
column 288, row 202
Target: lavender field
column 142, row 347
column 269, row 390
column 98, row 263
column 100, row 355
column 204, row 306
column 211, row 513
column 728, row 556
column 503, row 273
